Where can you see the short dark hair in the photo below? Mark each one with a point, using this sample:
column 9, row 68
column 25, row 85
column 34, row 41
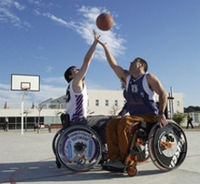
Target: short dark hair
column 68, row 72
column 143, row 62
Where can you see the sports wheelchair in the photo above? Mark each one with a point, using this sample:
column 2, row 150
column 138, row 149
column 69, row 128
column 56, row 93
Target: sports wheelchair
column 79, row 147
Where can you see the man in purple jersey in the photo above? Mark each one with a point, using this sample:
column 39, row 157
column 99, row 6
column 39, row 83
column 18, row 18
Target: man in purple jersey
column 140, row 95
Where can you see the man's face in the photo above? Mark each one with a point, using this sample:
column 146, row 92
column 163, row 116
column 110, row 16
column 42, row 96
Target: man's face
column 74, row 71
column 135, row 65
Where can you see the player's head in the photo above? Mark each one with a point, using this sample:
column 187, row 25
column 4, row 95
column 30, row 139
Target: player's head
column 70, row 73
column 138, row 64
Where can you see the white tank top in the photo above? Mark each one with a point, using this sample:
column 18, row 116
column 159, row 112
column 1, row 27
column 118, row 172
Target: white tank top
column 76, row 103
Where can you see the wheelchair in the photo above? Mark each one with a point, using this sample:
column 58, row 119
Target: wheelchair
column 79, row 147
column 166, row 146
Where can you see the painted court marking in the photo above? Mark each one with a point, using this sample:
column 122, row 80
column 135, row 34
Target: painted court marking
column 12, row 179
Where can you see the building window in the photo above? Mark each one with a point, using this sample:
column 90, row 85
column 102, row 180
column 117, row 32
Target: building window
column 97, row 102
column 116, row 102
column 178, row 103
column 106, row 103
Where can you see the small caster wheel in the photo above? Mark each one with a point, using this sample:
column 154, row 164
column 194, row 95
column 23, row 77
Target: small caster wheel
column 132, row 171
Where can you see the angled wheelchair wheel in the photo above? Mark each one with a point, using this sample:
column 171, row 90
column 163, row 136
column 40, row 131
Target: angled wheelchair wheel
column 79, row 148
column 55, row 139
column 167, row 146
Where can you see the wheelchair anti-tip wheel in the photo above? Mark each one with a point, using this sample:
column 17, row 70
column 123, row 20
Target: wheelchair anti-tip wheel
column 167, row 146
column 79, row 148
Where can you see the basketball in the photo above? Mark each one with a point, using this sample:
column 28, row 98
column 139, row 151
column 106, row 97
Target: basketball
column 104, row 21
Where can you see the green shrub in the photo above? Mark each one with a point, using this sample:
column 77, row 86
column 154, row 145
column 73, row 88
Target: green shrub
column 179, row 117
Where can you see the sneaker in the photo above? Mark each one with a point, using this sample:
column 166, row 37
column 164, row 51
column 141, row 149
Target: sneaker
column 115, row 164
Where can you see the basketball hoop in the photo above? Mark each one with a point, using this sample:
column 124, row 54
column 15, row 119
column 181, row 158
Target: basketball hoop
column 25, row 89
column 24, row 83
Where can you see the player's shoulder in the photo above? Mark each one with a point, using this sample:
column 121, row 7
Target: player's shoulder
column 150, row 76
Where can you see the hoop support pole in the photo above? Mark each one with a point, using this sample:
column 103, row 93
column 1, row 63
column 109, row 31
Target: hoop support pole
column 22, row 113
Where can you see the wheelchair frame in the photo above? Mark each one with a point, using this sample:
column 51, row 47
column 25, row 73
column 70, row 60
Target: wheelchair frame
column 147, row 141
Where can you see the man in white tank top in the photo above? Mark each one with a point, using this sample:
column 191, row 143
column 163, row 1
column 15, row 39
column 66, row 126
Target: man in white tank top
column 76, row 95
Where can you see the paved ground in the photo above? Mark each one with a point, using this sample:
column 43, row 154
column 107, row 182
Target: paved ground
column 29, row 158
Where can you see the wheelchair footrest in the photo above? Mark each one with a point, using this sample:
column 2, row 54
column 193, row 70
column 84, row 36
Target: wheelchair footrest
column 112, row 169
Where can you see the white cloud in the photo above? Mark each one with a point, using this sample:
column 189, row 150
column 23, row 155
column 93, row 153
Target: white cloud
column 85, row 27
column 4, row 86
column 7, row 13
column 19, row 6
column 48, row 91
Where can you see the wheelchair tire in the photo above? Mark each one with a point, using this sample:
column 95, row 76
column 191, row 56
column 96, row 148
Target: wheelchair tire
column 79, row 148
column 54, row 142
column 167, row 146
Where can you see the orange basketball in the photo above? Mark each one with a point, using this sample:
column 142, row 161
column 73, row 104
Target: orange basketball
column 104, row 21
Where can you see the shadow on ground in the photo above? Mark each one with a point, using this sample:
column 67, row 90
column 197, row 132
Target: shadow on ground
column 47, row 171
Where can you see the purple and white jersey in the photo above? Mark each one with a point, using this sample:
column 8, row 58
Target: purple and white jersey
column 76, row 103
column 140, row 98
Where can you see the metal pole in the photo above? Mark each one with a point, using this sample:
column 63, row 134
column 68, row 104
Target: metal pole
column 172, row 101
column 22, row 114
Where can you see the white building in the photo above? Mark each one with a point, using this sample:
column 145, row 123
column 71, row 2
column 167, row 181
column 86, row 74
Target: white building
column 101, row 102
column 106, row 102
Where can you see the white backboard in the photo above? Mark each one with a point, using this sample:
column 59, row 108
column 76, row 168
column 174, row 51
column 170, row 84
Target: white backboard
column 21, row 81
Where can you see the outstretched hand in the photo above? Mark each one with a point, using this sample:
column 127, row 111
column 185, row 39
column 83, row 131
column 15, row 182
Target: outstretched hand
column 97, row 38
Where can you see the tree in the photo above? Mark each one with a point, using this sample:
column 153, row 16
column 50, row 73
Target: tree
column 6, row 105
column 178, row 117
column 39, row 108
column 192, row 109
column 26, row 112
column 33, row 106
column 114, row 110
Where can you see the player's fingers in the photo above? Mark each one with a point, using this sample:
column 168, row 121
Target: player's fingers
column 160, row 124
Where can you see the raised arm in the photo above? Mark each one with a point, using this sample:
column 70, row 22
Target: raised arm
column 78, row 80
column 112, row 62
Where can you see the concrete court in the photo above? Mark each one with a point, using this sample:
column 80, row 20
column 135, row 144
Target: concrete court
column 29, row 159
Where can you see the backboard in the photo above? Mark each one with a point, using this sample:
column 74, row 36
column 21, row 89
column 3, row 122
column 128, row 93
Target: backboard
column 21, row 82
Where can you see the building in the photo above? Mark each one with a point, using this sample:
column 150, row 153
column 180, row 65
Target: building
column 101, row 102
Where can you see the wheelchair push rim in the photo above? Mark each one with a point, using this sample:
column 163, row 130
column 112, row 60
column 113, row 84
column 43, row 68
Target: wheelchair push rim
column 79, row 148
column 167, row 146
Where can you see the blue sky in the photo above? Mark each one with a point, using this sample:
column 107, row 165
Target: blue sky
column 44, row 37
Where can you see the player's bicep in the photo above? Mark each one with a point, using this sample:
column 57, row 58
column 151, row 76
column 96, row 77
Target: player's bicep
column 120, row 72
column 155, row 84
